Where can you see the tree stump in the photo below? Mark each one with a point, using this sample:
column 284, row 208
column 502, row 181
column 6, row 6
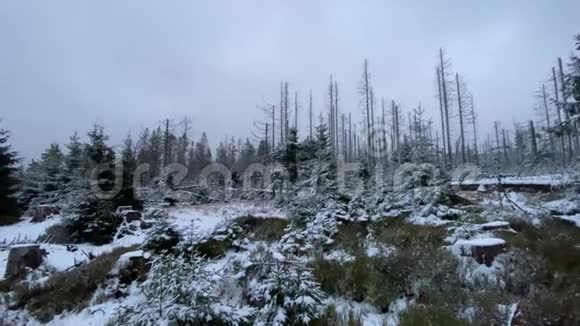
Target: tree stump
column 483, row 250
column 22, row 257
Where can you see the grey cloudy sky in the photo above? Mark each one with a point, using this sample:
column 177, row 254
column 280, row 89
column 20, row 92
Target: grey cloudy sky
column 129, row 64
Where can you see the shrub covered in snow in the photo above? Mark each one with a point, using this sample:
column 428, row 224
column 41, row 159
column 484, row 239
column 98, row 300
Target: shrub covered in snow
column 162, row 237
column 281, row 287
column 180, row 291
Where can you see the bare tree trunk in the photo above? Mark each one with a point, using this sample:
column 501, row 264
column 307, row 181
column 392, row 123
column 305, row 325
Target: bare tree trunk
column 473, row 121
column 461, row 130
column 545, row 98
column 286, row 131
column 336, row 126
column 564, row 102
column 273, row 127
column 446, row 106
column 166, row 145
column 442, row 114
column 296, row 111
column 497, row 139
column 343, row 137
column 267, row 135
column 393, row 128
column 310, row 113
column 383, row 126
column 556, row 98
column 398, row 133
column 331, row 117
column 349, row 137
column 505, row 147
column 281, row 113
column 534, row 144
column 367, row 104
column 372, row 130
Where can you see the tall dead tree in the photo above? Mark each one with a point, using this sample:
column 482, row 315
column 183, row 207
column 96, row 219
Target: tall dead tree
column 365, row 90
column 372, row 130
column 350, row 141
column 563, row 105
column 546, row 110
column 310, row 114
column 473, row 116
column 533, row 139
column 383, row 128
column 296, row 111
column 331, row 120
column 286, row 124
column 443, row 66
column 441, row 109
column 336, row 126
column 559, row 115
column 461, row 130
column 496, row 125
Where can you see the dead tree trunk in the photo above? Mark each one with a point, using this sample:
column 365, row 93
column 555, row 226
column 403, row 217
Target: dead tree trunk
column 497, row 140
column 556, row 98
column 566, row 113
column 441, row 109
column 367, row 104
column 545, row 98
column 534, row 144
column 462, row 134
column 446, row 106
column 310, row 114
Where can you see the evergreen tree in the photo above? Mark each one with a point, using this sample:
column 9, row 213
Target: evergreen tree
column 247, row 156
column 263, row 151
column 290, row 156
column 154, row 152
column 9, row 183
column 94, row 220
column 202, row 155
column 74, row 158
column 162, row 238
column 574, row 76
column 221, row 155
column 52, row 166
column 126, row 196
column 31, row 187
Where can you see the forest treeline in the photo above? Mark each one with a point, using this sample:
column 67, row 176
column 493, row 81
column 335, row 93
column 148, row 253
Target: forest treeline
column 386, row 137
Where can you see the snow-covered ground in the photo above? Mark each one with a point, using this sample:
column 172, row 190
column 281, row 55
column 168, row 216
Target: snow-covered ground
column 550, row 179
column 202, row 217
column 26, row 231
column 205, row 218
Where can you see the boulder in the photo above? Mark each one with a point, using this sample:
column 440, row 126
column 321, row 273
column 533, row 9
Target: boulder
column 483, row 250
column 22, row 257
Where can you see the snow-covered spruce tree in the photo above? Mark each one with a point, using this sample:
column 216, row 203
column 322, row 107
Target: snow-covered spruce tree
column 31, row 185
column 126, row 196
column 283, row 288
column 9, row 181
column 574, row 75
column 317, row 168
column 93, row 220
column 162, row 237
column 179, row 291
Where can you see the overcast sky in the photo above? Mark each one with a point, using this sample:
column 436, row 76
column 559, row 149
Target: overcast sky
column 130, row 64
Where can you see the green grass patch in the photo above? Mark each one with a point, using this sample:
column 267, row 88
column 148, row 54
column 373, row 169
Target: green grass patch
column 67, row 291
